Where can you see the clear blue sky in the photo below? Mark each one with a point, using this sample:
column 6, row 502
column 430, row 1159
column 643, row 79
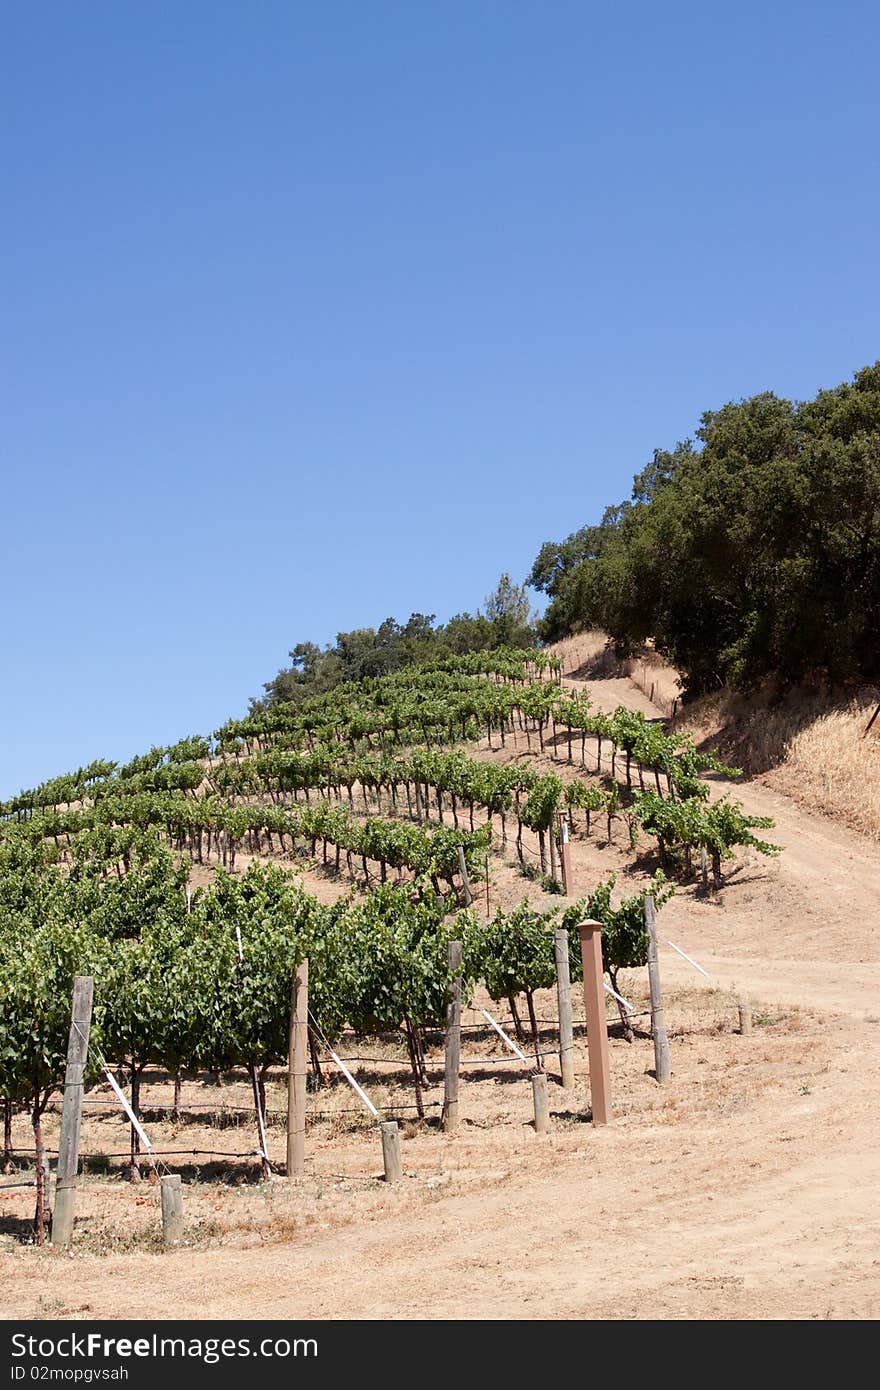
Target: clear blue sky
column 313, row 314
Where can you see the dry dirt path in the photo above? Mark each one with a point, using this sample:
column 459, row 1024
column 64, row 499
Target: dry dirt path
column 801, row 929
column 763, row 1210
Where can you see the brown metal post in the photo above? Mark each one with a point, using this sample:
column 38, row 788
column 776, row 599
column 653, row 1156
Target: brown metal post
column 597, row 1028
column 565, row 854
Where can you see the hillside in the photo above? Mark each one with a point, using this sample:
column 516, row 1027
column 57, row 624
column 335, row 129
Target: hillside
column 746, row 1188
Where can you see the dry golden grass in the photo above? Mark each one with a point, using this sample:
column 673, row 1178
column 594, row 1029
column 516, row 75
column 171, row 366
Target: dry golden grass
column 584, row 651
column 830, row 765
column 809, row 746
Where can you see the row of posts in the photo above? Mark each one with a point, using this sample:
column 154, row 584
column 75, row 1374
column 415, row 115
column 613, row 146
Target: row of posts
column 172, row 1219
column 597, row 1045
column 597, row 1029
column 558, row 837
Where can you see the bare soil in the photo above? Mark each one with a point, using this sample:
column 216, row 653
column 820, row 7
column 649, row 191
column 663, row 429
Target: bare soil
column 746, row 1188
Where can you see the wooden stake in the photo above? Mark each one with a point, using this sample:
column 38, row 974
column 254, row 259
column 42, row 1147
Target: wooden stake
column 47, row 1178
column 453, row 1041
column 597, row 1027
column 462, row 866
column 391, row 1151
column 658, row 1023
column 488, row 908
column 172, row 1209
column 71, row 1111
column 539, row 1097
column 871, row 721
column 565, row 855
column 296, row 1070
column 563, row 1005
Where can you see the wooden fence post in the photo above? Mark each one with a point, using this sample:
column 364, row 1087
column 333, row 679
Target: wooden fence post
column 71, row 1110
column 658, row 1023
column 391, row 1151
column 597, row 1027
column 539, row 1097
column 563, row 1006
column 296, row 1070
column 449, row 1118
column 565, row 855
column 172, row 1209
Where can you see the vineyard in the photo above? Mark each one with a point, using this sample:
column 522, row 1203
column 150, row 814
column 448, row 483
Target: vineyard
column 364, row 832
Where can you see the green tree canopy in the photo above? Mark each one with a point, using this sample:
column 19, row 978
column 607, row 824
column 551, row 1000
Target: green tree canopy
column 752, row 553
